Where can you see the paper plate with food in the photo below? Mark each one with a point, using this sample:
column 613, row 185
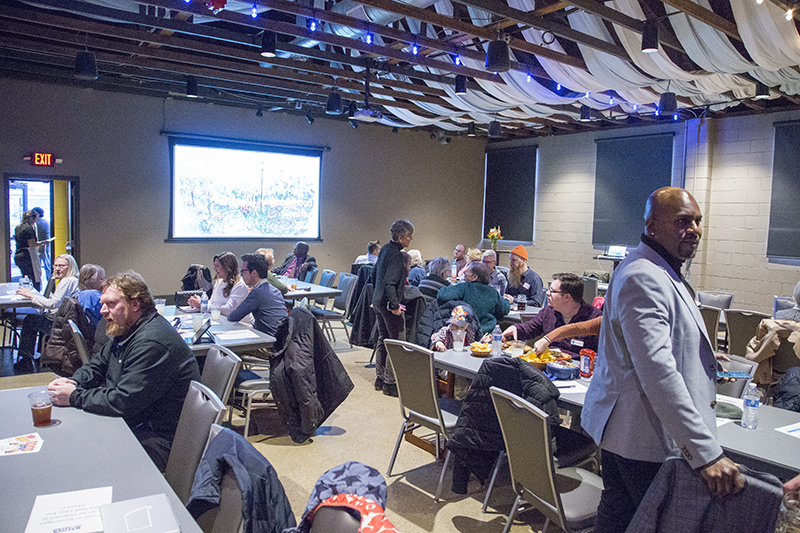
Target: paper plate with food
column 549, row 356
column 480, row 349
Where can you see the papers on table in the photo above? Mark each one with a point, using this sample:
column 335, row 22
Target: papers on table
column 30, row 443
column 12, row 298
column 571, row 386
column 151, row 514
column 69, row 511
column 793, row 430
column 236, row 335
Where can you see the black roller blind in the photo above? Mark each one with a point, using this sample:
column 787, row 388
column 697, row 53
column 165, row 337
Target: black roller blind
column 784, row 211
column 510, row 192
column 628, row 169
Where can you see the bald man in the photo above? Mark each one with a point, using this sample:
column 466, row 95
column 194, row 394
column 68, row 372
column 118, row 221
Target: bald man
column 653, row 391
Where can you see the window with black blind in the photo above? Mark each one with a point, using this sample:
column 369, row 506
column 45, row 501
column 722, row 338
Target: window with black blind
column 510, row 192
column 628, row 169
column 784, row 212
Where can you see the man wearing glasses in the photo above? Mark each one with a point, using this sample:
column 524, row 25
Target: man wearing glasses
column 264, row 301
column 497, row 280
column 565, row 305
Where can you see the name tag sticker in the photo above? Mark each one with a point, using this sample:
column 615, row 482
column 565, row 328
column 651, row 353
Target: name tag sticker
column 526, row 286
column 576, row 342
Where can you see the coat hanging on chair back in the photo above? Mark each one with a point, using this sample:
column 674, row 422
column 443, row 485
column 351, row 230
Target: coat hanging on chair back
column 198, row 277
column 60, row 354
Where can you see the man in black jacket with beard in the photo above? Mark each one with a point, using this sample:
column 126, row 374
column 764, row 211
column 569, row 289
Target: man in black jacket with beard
column 142, row 374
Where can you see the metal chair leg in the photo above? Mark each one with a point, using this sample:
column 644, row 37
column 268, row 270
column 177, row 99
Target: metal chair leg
column 491, row 482
column 403, row 429
column 441, row 477
column 513, row 513
column 248, row 407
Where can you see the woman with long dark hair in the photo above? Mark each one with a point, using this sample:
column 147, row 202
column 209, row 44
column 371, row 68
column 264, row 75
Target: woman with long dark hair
column 229, row 289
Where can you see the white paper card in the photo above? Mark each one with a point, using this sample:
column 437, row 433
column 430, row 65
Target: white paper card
column 792, row 430
column 235, row 335
column 78, row 510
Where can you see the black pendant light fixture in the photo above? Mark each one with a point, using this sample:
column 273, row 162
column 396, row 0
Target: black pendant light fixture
column 85, row 65
column 497, row 56
column 191, row 87
column 495, row 130
column 762, row 91
column 586, row 113
column 461, row 84
column 334, row 104
column 650, row 37
column 667, row 104
column 269, row 44
column 471, row 129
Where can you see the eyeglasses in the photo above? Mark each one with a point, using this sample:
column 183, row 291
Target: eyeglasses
column 551, row 291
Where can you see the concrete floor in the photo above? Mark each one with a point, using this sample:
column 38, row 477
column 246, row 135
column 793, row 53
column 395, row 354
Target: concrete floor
column 364, row 428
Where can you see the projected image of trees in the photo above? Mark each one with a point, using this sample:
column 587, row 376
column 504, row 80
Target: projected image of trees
column 220, row 192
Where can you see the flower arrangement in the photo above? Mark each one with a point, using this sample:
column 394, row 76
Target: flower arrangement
column 494, row 235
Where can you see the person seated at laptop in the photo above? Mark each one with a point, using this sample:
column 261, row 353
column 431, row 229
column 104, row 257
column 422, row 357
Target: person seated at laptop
column 141, row 374
column 373, row 249
column 265, row 302
column 523, row 280
column 229, row 289
column 565, row 305
column 297, row 263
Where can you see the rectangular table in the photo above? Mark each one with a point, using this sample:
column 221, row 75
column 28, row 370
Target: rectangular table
column 254, row 341
column 763, row 448
column 83, row 451
column 308, row 290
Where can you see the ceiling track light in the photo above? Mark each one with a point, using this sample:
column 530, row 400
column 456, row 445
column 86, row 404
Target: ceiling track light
column 667, row 104
column 334, row 104
column 352, row 109
column 495, row 130
column 762, row 91
column 471, row 129
column 461, row 84
column 586, row 113
column 650, row 37
column 85, row 66
column 497, row 56
column 269, row 44
column 191, row 87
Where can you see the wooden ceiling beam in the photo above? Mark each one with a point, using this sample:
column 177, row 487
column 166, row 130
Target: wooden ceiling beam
column 487, row 33
column 706, row 16
column 502, row 9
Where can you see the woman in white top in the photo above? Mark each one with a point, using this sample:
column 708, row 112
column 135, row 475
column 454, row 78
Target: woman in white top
column 65, row 272
column 229, row 289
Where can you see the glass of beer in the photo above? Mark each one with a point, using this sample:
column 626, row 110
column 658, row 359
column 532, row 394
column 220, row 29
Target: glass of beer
column 522, row 303
column 789, row 515
column 41, row 406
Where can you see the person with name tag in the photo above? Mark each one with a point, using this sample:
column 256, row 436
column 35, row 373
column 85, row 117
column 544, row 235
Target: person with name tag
column 565, row 305
column 522, row 280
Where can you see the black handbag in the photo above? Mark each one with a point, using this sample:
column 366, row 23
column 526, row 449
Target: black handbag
column 182, row 297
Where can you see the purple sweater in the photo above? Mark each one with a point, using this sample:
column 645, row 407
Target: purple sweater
column 548, row 319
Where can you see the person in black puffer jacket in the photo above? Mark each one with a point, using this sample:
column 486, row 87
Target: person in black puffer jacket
column 477, row 439
column 787, row 392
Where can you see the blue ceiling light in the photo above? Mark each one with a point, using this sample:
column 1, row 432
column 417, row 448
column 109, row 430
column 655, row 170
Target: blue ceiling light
column 635, row 107
column 529, row 77
column 611, row 100
column 415, row 49
column 254, row 11
column 558, row 86
column 312, row 24
column 458, row 60
column 368, row 38
column 675, row 117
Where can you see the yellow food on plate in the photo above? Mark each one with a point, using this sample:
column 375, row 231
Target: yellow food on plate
column 546, row 357
column 480, row 348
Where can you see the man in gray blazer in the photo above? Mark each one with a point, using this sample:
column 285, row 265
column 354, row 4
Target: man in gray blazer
column 653, row 391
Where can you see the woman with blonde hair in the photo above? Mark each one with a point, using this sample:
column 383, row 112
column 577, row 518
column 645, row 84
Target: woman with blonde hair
column 472, row 255
column 417, row 271
column 229, row 289
column 65, row 274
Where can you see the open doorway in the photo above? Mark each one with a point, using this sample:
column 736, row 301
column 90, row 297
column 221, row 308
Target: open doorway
column 55, row 197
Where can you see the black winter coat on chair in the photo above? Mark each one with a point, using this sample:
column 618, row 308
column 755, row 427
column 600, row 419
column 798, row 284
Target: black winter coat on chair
column 308, row 380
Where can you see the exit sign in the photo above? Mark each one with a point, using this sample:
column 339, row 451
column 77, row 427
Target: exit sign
column 40, row 159
column 43, row 160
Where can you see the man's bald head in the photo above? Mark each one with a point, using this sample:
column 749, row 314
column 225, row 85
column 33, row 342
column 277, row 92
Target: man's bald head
column 672, row 219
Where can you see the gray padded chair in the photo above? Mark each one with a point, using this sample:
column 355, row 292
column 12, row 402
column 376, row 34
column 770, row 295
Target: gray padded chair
column 227, row 517
column 781, row 303
column 720, row 300
column 219, row 371
column 326, row 279
column 80, row 342
column 742, row 327
column 567, row 496
column 738, row 387
column 325, row 317
column 416, row 387
column 589, row 289
column 252, row 393
column 311, row 275
column 711, row 319
column 201, row 409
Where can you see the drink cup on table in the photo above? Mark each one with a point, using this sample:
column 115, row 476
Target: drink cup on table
column 197, row 321
column 522, row 303
column 41, row 407
column 458, row 340
column 517, row 348
column 215, row 313
column 161, row 305
column 293, row 286
column 789, row 515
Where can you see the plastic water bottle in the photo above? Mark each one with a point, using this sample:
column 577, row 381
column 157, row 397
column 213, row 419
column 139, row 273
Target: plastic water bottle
column 204, row 303
column 454, row 270
column 750, row 411
column 26, row 282
column 497, row 341
column 22, row 283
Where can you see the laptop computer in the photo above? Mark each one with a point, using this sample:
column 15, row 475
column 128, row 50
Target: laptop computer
column 617, row 251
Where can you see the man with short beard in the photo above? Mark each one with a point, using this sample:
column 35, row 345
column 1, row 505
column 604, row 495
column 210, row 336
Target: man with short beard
column 523, row 280
column 143, row 372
